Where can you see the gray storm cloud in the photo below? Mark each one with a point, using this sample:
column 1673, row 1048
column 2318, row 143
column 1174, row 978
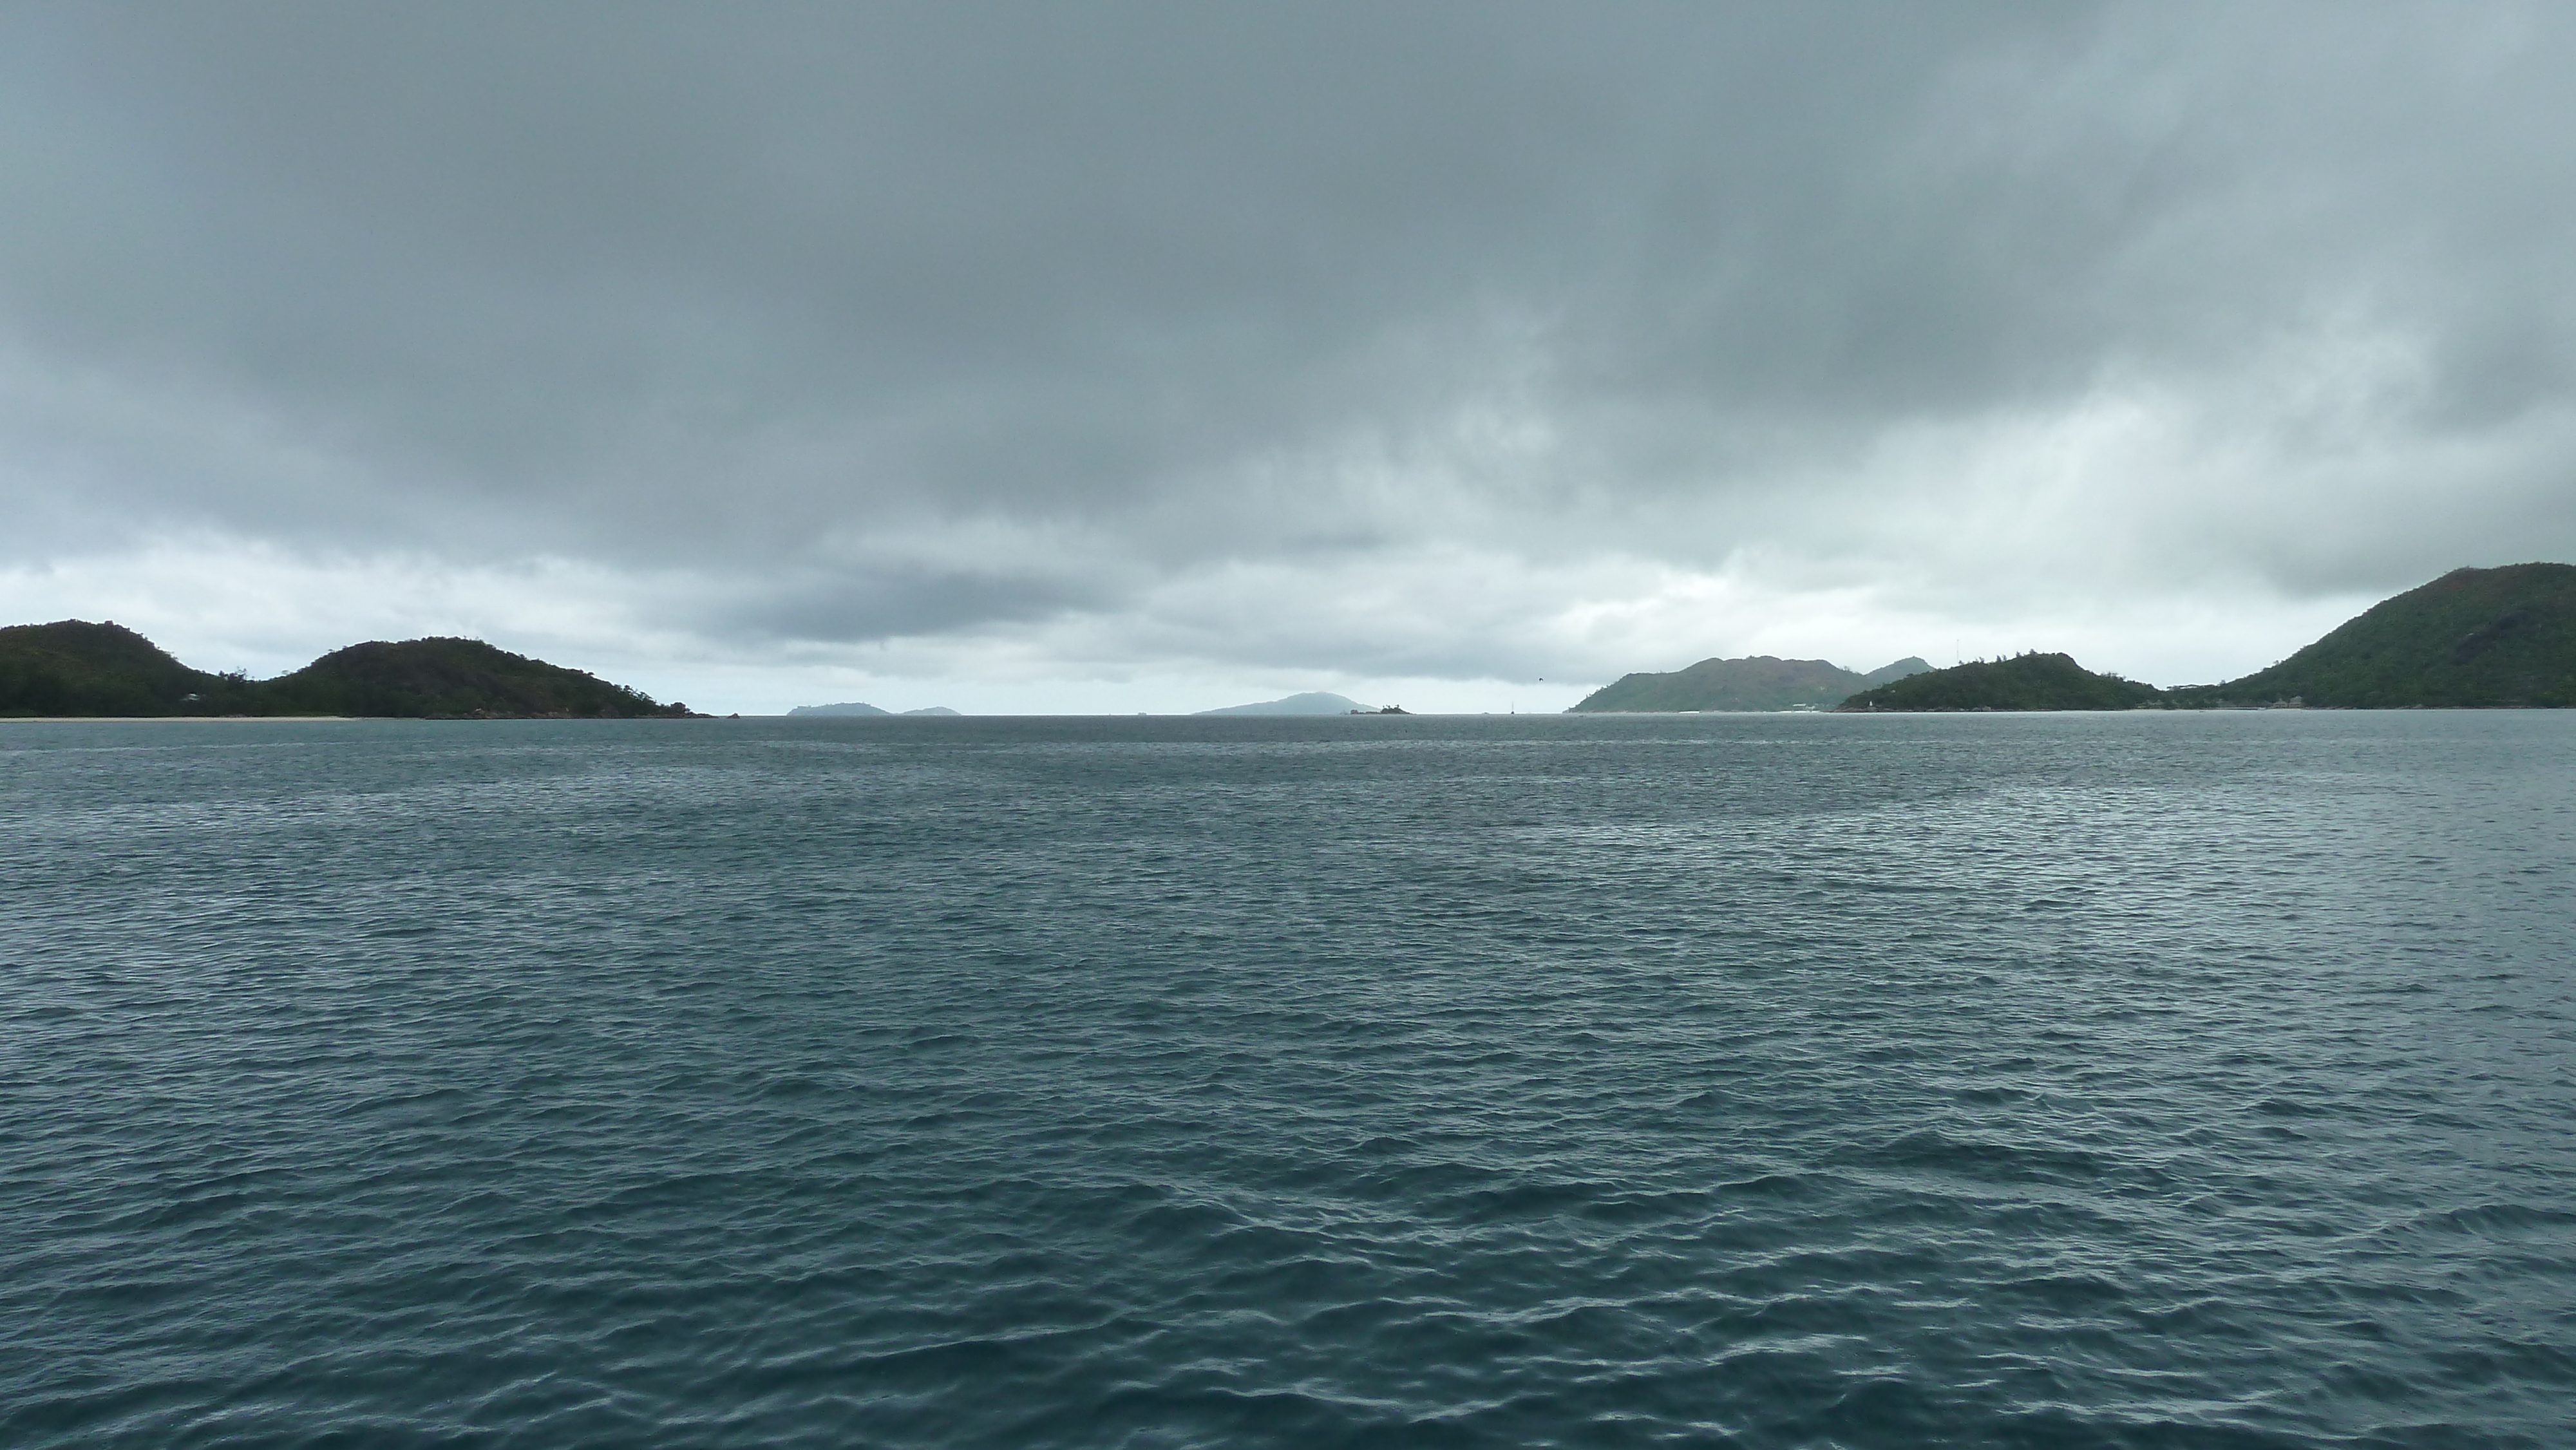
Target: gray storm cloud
column 1166, row 332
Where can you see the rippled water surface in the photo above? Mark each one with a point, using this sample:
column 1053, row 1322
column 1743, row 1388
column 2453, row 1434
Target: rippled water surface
column 2192, row 1080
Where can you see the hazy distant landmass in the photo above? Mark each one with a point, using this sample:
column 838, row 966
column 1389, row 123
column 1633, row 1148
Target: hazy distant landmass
column 2499, row 637
column 74, row 667
column 1760, row 682
column 853, row 707
column 2032, row 681
column 1313, row 702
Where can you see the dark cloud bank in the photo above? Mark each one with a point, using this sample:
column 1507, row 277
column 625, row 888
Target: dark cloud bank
column 1224, row 342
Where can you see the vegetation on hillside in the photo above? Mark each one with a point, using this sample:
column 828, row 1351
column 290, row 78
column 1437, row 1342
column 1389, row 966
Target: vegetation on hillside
column 74, row 667
column 431, row 678
column 2474, row 637
column 77, row 668
column 2024, row 682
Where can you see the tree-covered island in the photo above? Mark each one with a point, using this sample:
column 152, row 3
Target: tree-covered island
column 74, row 667
column 2032, row 681
column 2498, row 638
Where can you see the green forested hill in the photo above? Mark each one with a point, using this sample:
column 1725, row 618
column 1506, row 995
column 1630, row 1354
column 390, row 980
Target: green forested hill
column 1760, row 682
column 74, row 667
column 449, row 677
column 2024, row 682
column 2474, row 637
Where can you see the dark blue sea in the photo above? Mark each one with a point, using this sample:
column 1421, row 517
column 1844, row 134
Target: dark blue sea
column 2196, row 1080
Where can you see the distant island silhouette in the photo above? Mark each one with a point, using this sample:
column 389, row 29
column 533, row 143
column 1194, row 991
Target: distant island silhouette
column 854, row 707
column 1313, row 702
column 1758, row 682
column 75, row 667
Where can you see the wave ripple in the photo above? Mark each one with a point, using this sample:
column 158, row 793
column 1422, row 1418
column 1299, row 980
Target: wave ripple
column 2140, row 1081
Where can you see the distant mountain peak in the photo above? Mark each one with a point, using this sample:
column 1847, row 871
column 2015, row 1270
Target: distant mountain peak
column 1890, row 673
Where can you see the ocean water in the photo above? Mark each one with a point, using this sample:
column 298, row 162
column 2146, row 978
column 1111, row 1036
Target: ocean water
column 2131, row 1080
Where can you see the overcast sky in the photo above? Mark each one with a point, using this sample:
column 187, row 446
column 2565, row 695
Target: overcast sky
column 1152, row 357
